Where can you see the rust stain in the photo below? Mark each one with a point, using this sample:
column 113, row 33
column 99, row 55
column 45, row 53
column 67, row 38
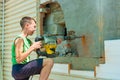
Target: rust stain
column 85, row 46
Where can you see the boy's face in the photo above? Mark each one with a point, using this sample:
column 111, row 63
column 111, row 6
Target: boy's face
column 31, row 27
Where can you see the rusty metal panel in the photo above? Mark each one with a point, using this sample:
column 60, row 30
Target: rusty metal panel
column 85, row 18
column 98, row 20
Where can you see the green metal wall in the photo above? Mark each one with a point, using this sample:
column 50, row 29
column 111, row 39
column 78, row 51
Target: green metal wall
column 97, row 20
column 111, row 16
column 85, row 17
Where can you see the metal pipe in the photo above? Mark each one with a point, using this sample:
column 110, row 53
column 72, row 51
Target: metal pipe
column 2, row 37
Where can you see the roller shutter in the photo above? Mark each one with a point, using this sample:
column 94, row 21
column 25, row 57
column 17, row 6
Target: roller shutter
column 0, row 39
column 14, row 11
column 0, row 29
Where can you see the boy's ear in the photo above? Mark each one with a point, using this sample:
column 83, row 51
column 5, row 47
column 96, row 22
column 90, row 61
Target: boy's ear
column 26, row 24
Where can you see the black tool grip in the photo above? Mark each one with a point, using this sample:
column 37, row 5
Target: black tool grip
column 38, row 38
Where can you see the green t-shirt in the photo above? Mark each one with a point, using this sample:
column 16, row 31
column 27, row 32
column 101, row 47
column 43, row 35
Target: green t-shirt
column 26, row 46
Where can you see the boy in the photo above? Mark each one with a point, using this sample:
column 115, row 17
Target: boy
column 22, row 47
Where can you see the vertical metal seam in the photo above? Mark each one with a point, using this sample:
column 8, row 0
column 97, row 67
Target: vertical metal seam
column 2, row 37
column 38, row 16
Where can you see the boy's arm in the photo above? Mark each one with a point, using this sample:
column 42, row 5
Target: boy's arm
column 20, row 56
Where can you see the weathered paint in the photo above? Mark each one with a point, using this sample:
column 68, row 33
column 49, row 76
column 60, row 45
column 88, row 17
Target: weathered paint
column 83, row 17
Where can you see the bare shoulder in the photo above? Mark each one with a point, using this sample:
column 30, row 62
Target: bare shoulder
column 18, row 41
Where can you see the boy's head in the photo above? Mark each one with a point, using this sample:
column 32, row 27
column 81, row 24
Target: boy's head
column 26, row 20
column 28, row 25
